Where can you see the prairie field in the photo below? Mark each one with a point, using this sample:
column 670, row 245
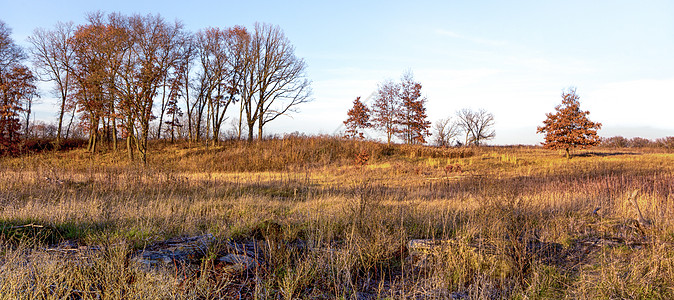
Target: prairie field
column 333, row 218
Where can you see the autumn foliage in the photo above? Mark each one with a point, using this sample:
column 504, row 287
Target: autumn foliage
column 569, row 127
column 385, row 108
column 359, row 119
column 400, row 110
column 17, row 89
column 412, row 116
column 128, row 77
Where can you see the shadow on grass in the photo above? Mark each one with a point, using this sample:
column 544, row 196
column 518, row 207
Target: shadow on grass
column 604, row 154
column 36, row 232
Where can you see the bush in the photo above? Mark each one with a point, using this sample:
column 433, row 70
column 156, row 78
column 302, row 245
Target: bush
column 615, row 142
column 665, row 142
column 639, row 142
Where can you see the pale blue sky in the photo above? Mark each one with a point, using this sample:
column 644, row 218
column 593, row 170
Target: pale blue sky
column 512, row 58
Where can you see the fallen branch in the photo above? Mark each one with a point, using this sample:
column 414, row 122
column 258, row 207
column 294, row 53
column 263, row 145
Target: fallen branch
column 31, row 225
column 633, row 199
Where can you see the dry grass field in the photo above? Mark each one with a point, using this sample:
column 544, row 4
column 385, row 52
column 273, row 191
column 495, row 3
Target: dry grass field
column 340, row 219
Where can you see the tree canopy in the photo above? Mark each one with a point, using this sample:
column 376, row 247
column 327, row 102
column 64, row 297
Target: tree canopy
column 17, row 90
column 399, row 110
column 126, row 76
column 358, row 119
column 569, row 127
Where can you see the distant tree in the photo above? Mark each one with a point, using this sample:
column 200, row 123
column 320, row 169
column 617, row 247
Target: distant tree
column 273, row 79
column 358, row 119
column 478, row 126
column 52, row 54
column 445, row 130
column 615, row 142
column 385, row 109
column 411, row 116
column 569, row 127
column 41, row 129
column 17, row 90
column 238, row 42
column 665, row 142
column 221, row 53
column 154, row 51
column 281, row 76
column 172, row 108
column 95, row 65
column 10, row 53
column 182, row 82
column 639, row 142
column 24, row 85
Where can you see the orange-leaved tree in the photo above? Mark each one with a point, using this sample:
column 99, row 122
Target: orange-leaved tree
column 569, row 127
column 385, row 108
column 359, row 119
column 17, row 89
column 412, row 116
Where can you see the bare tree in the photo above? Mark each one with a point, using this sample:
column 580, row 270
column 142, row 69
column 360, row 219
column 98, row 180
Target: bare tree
column 184, row 64
column 238, row 42
column 154, row 51
column 53, row 54
column 477, row 125
column 10, row 53
column 250, row 85
column 221, row 61
column 279, row 75
column 385, row 109
column 445, row 130
column 88, row 71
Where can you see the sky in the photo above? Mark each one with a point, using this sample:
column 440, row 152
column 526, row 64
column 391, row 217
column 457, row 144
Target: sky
column 511, row 58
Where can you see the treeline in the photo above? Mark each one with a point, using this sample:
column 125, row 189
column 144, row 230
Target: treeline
column 123, row 75
column 17, row 91
column 399, row 110
column 637, row 142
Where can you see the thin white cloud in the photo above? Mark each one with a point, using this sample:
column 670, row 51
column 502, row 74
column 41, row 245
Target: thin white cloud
column 477, row 40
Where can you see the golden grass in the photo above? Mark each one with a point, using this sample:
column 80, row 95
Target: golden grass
column 520, row 222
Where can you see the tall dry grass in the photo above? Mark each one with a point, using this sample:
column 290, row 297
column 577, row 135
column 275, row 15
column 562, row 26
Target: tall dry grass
column 517, row 222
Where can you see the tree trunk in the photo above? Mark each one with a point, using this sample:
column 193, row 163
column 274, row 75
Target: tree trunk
column 72, row 117
column 173, row 128
column 259, row 129
column 208, row 123
column 141, row 143
column 93, row 135
column 114, row 135
column 114, row 132
column 129, row 147
column 60, row 125
column 129, row 137
column 568, row 154
column 92, row 142
column 240, row 120
column 197, row 127
column 251, row 127
column 162, row 110
column 189, row 111
column 28, row 111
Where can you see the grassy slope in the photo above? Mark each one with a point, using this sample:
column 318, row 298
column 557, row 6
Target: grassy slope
column 519, row 220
